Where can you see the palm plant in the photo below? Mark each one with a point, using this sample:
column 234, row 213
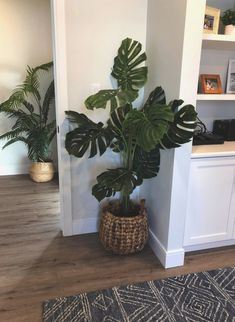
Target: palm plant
column 31, row 111
column 137, row 134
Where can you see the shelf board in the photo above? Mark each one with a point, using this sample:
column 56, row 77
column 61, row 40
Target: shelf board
column 214, row 150
column 218, row 38
column 215, row 97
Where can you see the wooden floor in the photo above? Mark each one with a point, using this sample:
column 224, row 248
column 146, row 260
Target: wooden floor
column 36, row 263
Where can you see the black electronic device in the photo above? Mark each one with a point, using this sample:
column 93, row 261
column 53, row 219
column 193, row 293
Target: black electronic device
column 203, row 137
column 207, row 138
column 225, row 128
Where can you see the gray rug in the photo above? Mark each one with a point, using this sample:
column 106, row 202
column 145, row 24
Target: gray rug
column 206, row 296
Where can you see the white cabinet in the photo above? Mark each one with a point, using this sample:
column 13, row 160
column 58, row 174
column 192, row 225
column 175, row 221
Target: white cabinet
column 211, row 201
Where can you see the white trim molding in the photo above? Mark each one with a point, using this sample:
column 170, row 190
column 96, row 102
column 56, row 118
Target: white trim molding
column 14, row 169
column 61, row 95
column 216, row 244
column 85, row 226
column 168, row 258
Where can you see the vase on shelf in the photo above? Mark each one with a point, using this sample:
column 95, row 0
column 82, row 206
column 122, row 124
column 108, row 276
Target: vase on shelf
column 229, row 30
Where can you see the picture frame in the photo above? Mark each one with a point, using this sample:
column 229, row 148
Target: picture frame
column 210, row 84
column 230, row 86
column 211, row 20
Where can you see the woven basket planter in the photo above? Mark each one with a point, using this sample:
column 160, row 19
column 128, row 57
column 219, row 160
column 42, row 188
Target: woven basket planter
column 41, row 171
column 123, row 235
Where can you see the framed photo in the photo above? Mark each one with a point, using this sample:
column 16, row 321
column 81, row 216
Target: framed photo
column 230, row 88
column 211, row 20
column 210, row 84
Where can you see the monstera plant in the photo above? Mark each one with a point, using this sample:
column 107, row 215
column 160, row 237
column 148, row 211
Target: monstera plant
column 30, row 111
column 138, row 135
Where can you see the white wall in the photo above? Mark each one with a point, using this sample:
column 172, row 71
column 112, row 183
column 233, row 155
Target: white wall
column 94, row 31
column 174, row 53
column 25, row 38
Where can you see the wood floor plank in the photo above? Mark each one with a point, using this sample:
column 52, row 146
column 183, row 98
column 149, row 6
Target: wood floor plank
column 37, row 263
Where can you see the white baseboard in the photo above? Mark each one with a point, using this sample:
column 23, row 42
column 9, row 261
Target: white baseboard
column 85, row 226
column 14, row 169
column 216, row 244
column 168, row 258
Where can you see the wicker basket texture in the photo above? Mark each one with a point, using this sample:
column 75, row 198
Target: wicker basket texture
column 41, row 171
column 123, row 235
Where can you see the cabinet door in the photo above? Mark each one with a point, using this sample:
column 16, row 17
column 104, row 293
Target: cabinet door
column 209, row 216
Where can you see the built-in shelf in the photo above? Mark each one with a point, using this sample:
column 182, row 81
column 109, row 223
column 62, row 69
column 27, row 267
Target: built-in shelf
column 219, row 38
column 215, row 97
column 213, row 41
column 214, row 150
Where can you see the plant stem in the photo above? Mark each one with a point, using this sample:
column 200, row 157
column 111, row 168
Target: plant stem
column 128, row 164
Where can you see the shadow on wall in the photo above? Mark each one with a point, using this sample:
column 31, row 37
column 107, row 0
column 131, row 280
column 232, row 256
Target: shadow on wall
column 10, row 77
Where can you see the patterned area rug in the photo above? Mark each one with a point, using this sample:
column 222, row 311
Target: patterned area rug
column 207, row 296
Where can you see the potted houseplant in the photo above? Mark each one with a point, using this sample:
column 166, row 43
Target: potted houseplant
column 30, row 110
column 138, row 135
column 228, row 19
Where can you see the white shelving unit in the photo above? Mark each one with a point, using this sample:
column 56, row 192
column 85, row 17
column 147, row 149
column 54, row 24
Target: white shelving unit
column 215, row 97
column 218, row 38
column 210, row 220
column 175, row 65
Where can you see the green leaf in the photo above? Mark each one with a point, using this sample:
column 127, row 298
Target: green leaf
column 87, row 136
column 49, row 97
column 125, row 69
column 16, row 139
column 31, row 83
column 101, row 99
column 16, row 100
column 182, row 129
column 115, row 97
column 28, row 106
column 175, row 104
column 11, row 134
column 157, row 96
column 146, row 164
column 38, row 145
column 149, row 127
column 118, row 116
column 126, row 97
column 115, row 180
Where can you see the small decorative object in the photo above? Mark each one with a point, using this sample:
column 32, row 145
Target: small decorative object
column 211, row 20
column 210, row 84
column 230, row 88
column 228, row 19
column 138, row 135
column 32, row 126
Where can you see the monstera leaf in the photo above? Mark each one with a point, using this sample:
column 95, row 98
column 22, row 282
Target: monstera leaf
column 114, row 180
column 118, row 116
column 182, row 128
column 129, row 77
column 146, row 164
column 87, row 136
column 157, row 96
column 125, row 69
column 149, row 128
column 116, row 97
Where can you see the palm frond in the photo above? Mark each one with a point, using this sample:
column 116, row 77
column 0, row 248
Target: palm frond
column 38, row 145
column 49, row 97
column 17, row 139
column 11, row 134
column 15, row 101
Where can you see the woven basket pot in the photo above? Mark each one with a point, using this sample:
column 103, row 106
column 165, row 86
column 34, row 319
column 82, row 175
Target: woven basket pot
column 41, row 171
column 123, row 235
